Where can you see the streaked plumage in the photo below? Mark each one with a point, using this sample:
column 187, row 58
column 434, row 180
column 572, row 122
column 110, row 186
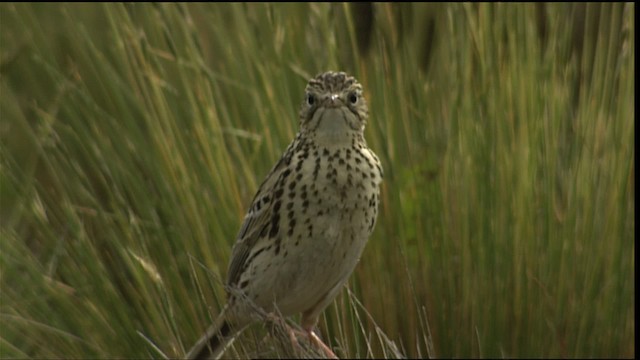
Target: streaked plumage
column 309, row 220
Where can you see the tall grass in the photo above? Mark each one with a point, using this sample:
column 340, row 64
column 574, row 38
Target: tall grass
column 134, row 136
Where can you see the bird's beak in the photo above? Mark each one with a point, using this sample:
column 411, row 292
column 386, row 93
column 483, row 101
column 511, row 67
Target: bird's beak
column 334, row 101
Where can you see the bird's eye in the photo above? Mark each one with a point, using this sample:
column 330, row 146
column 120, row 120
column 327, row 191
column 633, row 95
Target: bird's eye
column 311, row 99
column 353, row 98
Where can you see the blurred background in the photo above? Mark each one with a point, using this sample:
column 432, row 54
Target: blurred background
column 133, row 137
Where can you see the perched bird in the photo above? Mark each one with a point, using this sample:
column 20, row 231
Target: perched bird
column 309, row 221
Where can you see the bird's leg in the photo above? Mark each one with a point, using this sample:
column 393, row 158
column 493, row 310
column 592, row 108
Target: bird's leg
column 318, row 343
column 291, row 332
column 308, row 322
column 313, row 339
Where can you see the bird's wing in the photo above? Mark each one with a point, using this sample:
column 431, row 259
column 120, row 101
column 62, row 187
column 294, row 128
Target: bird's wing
column 258, row 218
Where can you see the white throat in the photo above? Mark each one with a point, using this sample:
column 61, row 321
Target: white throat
column 334, row 126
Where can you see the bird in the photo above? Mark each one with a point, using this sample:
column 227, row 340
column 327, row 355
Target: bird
column 309, row 221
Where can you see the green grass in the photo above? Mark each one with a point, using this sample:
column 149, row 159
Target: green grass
column 134, row 137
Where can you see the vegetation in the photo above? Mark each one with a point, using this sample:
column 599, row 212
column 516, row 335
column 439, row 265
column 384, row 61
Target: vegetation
column 133, row 137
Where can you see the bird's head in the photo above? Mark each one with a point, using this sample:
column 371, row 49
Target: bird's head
column 334, row 107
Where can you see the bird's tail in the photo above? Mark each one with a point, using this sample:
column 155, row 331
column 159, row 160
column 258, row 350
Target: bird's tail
column 213, row 343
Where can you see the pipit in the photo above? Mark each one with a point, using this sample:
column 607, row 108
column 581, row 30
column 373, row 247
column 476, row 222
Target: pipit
column 308, row 224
